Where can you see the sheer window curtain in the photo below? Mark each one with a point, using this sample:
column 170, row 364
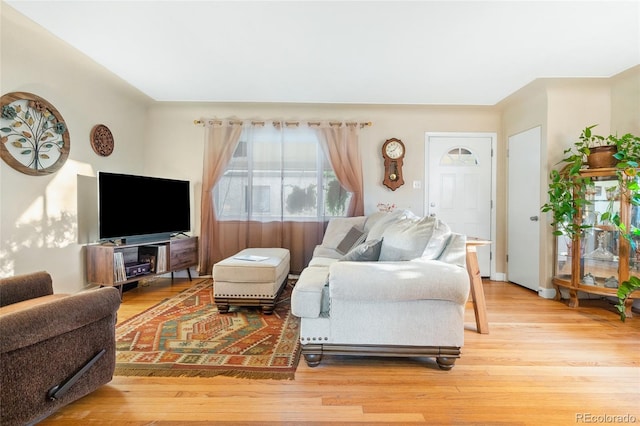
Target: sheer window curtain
column 271, row 190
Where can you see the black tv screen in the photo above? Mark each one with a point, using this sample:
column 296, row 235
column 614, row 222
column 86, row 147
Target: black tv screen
column 141, row 207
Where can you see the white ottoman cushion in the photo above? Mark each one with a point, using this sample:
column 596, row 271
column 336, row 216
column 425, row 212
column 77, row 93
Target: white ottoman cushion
column 237, row 278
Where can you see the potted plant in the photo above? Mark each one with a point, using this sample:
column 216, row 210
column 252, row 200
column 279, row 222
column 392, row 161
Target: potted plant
column 568, row 191
column 598, row 150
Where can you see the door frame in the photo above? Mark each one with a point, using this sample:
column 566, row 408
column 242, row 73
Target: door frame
column 493, row 275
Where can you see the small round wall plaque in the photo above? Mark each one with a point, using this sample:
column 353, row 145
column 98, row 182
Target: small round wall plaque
column 102, row 140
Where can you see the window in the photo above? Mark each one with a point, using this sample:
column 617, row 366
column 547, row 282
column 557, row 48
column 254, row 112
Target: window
column 459, row 156
column 278, row 173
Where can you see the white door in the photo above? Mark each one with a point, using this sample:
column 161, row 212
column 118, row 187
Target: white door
column 459, row 190
column 523, row 210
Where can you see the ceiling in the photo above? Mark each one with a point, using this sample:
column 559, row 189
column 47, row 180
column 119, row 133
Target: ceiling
column 371, row 52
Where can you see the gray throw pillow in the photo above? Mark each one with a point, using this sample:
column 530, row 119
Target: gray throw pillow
column 369, row 251
column 354, row 237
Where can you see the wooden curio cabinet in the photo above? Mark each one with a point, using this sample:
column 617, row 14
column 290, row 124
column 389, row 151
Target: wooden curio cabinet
column 598, row 260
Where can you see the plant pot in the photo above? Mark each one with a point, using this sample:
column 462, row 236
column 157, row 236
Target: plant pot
column 602, row 157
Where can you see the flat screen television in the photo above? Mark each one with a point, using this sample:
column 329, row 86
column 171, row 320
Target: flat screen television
column 141, row 208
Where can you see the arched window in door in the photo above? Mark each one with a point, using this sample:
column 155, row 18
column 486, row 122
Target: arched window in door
column 459, row 156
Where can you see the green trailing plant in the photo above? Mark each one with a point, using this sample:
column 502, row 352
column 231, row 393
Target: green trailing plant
column 624, row 291
column 566, row 196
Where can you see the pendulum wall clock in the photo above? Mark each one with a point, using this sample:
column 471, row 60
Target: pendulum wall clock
column 393, row 153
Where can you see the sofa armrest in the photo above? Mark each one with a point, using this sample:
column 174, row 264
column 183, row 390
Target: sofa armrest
column 33, row 324
column 24, row 287
column 398, row 281
column 307, row 296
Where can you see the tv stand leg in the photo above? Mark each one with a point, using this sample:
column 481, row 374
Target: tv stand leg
column 188, row 273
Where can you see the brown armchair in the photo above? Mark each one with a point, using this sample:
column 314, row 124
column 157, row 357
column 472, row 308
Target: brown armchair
column 54, row 348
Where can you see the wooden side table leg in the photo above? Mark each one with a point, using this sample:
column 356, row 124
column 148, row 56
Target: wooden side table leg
column 477, row 292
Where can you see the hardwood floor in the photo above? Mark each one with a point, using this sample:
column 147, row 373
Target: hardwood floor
column 541, row 363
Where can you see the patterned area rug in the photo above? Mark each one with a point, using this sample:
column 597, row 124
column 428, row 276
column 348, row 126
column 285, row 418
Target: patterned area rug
column 187, row 336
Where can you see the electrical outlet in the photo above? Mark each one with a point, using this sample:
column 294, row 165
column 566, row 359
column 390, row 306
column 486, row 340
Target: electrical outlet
column 417, row 184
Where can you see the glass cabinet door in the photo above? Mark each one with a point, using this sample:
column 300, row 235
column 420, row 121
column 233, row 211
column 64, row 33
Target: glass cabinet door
column 634, row 250
column 563, row 257
column 599, row 257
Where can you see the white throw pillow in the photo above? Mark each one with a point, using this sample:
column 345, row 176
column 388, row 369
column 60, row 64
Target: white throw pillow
column 409, row 239
column 378, row 222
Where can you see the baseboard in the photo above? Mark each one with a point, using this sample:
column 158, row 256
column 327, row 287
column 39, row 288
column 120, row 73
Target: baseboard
column 547, row 293
column 498, row 276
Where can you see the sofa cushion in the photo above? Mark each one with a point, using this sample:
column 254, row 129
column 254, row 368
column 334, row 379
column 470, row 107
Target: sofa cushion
column 377, row 222
column 398, row 281
column 337, row 229
column 352, row 238
column 369, row 251
column 411, row 238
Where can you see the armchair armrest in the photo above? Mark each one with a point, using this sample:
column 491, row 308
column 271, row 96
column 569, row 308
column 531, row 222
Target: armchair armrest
column 398, row 281
column 26, row 327
column 24, row 287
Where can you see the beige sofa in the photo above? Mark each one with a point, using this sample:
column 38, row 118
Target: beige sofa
column 387, row 284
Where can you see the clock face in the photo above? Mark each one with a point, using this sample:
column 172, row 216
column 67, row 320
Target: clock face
column 34, row 137
column 394, row 150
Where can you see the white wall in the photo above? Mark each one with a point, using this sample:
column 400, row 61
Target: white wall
column 176, row 144
column 38, row 214
column 625, row 102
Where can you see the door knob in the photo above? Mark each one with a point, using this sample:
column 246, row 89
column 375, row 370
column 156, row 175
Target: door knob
column 533, row 218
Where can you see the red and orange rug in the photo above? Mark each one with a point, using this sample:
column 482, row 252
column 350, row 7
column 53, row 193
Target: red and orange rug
column 187, row 336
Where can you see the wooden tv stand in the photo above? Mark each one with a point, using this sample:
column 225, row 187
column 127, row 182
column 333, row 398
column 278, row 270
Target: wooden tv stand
column 106, row 262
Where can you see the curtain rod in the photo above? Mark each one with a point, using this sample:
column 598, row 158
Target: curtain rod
column 293, row 123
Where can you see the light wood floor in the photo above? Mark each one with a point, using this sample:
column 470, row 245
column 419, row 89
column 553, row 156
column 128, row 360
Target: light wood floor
column 542, row 363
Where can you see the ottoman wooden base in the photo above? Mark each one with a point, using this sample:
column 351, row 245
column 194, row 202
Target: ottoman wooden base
column 267, row 304
column 252, row 277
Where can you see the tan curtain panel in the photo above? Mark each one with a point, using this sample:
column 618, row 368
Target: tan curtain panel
column 340, row 143
column 221, row 139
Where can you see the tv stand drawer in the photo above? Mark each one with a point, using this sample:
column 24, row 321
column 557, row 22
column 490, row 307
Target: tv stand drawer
column 183, row 253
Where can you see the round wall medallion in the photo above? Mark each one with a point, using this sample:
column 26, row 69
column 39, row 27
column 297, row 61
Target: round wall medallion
column 102, row 140
column 34, row 138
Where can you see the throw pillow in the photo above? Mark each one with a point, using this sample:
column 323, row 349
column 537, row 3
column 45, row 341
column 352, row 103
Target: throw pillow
column 438, row 241
column 337, row 229
column 377, row 222
column 369, row 251
column 354, row 237
column 407, row 239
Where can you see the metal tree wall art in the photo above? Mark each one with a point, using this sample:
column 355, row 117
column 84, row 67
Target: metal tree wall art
column 34, row 137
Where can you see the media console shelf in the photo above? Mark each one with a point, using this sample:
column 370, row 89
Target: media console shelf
column 116, row 265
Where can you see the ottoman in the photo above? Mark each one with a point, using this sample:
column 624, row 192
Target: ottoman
column 252, row 277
